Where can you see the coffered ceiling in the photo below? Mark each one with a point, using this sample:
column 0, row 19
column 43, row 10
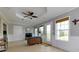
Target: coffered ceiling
column 14, row 14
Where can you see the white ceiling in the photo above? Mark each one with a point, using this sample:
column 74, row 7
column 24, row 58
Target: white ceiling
column 38, row 11
column 15, row 16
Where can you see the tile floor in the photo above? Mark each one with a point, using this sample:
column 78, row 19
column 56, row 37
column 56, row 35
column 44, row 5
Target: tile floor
column 21, row 47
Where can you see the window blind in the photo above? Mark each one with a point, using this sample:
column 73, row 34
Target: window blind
column 63, row 19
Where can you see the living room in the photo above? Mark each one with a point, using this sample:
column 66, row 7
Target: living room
column 17, row 24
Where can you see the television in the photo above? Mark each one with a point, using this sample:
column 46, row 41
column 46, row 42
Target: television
column 28, row 35
column 4, row 32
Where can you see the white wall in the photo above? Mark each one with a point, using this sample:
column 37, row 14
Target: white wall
column 16, row 32
column 11, row 27
column 10, row 32
column 0, row 29
column 29, row 30
column 72, row 44
column 2, row 21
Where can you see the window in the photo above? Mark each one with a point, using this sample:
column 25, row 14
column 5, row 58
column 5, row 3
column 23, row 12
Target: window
column 49, row 32
column 41, row 29
column 36, row 32
column 62, row 29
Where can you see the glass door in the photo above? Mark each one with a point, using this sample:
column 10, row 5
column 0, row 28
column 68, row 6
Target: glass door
column 36, row 32
column 41, row 30
column 48, row 30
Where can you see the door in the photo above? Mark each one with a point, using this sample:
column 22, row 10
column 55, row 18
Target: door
column 36, row 32
column 48, row 32
column 18, row 33
column 41, row 32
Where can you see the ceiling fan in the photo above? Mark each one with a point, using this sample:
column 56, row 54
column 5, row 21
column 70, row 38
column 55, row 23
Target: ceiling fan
column 29, row 13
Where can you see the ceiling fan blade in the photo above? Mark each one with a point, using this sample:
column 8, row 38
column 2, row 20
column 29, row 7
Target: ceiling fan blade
column 24, row 13
column 25, row 16
column 35, row 16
